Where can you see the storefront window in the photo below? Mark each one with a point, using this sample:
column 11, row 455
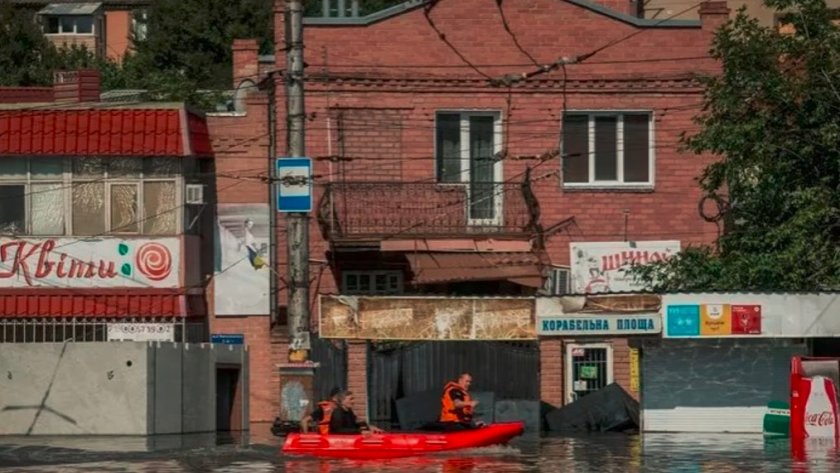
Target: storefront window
column 90, row 196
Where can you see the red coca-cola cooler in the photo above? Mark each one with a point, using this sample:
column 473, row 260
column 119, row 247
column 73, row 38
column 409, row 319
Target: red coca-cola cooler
column 814, row 422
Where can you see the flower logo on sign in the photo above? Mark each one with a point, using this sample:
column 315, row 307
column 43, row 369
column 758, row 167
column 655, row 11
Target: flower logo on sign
column 154, row 261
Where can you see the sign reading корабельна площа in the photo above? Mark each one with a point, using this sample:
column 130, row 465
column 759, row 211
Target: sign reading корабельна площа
column 551, row 320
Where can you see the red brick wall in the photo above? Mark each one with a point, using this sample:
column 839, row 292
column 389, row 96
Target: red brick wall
column 389, row 110
column 263, row 391
column 551, row 371
column 357, row 376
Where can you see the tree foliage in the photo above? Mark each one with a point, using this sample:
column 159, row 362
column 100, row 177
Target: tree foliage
column 773, row 116
column 188, row 42
column 27, row 58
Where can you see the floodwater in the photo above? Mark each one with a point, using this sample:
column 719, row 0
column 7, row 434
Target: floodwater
column 667, row 453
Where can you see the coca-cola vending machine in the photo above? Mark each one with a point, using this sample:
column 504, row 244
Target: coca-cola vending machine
column 814, row 426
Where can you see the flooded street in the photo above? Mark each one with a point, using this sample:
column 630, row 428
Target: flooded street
column 669, row 453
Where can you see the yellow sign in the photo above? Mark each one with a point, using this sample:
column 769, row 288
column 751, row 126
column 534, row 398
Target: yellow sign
column 634, row 370
column 715, row 319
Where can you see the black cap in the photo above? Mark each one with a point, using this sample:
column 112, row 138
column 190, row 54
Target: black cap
column 334, row 391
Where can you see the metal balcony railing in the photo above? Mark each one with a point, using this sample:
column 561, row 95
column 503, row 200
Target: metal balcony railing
column 382, row 210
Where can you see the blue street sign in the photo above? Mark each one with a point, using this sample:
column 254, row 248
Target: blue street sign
column 294, row 185
column 227, row 338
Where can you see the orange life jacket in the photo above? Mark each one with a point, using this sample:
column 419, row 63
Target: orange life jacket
column 448, row 411
column 324, row 425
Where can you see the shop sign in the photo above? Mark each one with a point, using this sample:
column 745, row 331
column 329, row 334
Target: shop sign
column 141, row 332
column 427, row 318
column 227, row 338
column 712, row 320
column 634, row 370
column 607, row 324
column 89, row 263
column 602, row 266
column 588, row 372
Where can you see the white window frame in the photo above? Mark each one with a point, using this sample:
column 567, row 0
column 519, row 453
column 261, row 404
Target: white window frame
column 372, row 275
column 619, row 183
column 139, row 22
column 498, row 172
column 75, row 26
column 547, row 287
column 27, row 182
column 67, row 182
column 568, row 382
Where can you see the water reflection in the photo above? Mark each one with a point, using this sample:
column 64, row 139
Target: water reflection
column 666, row 453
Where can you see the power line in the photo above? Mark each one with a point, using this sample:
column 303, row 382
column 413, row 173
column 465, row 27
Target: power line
column 578, row 59
column 427, row 11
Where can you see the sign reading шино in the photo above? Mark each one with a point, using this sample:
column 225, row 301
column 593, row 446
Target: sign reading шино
column 607, row 324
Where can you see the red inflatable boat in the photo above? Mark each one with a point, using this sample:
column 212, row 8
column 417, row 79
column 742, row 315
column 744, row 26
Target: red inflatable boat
column 396, row 445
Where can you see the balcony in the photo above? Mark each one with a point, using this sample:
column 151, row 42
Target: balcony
column 386, row 210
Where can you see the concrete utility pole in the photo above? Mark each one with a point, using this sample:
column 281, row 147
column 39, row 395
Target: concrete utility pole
column 297, row 224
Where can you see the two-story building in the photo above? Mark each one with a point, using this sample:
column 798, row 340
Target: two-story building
column 104, row 230
column 106, row 28
column 469, row 156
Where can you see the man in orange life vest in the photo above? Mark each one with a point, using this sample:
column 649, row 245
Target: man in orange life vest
column 322, row 414
column 457, row 406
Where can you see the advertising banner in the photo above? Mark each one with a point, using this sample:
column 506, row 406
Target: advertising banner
column 98, row 262
column 141, row 332
column 602, row 266
column 242, row 269
column 426, row 318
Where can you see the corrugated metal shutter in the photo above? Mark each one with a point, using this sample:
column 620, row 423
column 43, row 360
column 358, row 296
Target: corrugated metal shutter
column 713, row 385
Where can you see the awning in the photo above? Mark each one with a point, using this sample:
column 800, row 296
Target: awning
column 431, row 268
column 70, row 9
column 124, row 305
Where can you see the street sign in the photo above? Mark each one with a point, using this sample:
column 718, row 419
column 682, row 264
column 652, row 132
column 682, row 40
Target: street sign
column 294, row 185
column 227, row 338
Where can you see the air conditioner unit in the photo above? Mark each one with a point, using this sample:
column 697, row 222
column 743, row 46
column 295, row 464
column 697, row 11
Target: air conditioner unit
column 558, row 282
column 194, row 194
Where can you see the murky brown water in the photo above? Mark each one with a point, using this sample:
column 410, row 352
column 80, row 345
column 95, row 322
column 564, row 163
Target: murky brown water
column 724, row 453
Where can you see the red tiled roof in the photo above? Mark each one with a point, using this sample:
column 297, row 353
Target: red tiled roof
column 97, row 132
column 119, row 305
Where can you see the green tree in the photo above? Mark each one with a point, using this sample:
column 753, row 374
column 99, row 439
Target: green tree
column 24, row 51
column 188, row 42
column 773, row 116
column 27, row 58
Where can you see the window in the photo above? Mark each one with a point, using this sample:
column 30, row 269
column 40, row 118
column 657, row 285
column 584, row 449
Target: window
column 465, row 152
column 371, row 282
column 557, row 282
column 139, row 24
column 589, row 367
column 608, row 149
column 89, row 196
column 69, row 24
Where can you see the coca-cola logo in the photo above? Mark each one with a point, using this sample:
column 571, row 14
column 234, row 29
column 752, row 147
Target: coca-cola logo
column 820, row 420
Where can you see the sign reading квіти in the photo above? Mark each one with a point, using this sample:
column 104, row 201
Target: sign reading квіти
column 607, row 324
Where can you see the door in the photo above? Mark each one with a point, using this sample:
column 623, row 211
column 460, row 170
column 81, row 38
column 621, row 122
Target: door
column 228, row 400
column 484, row 190
column 589, row 367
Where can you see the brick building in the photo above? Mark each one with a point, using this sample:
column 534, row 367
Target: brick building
column 439, row 172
